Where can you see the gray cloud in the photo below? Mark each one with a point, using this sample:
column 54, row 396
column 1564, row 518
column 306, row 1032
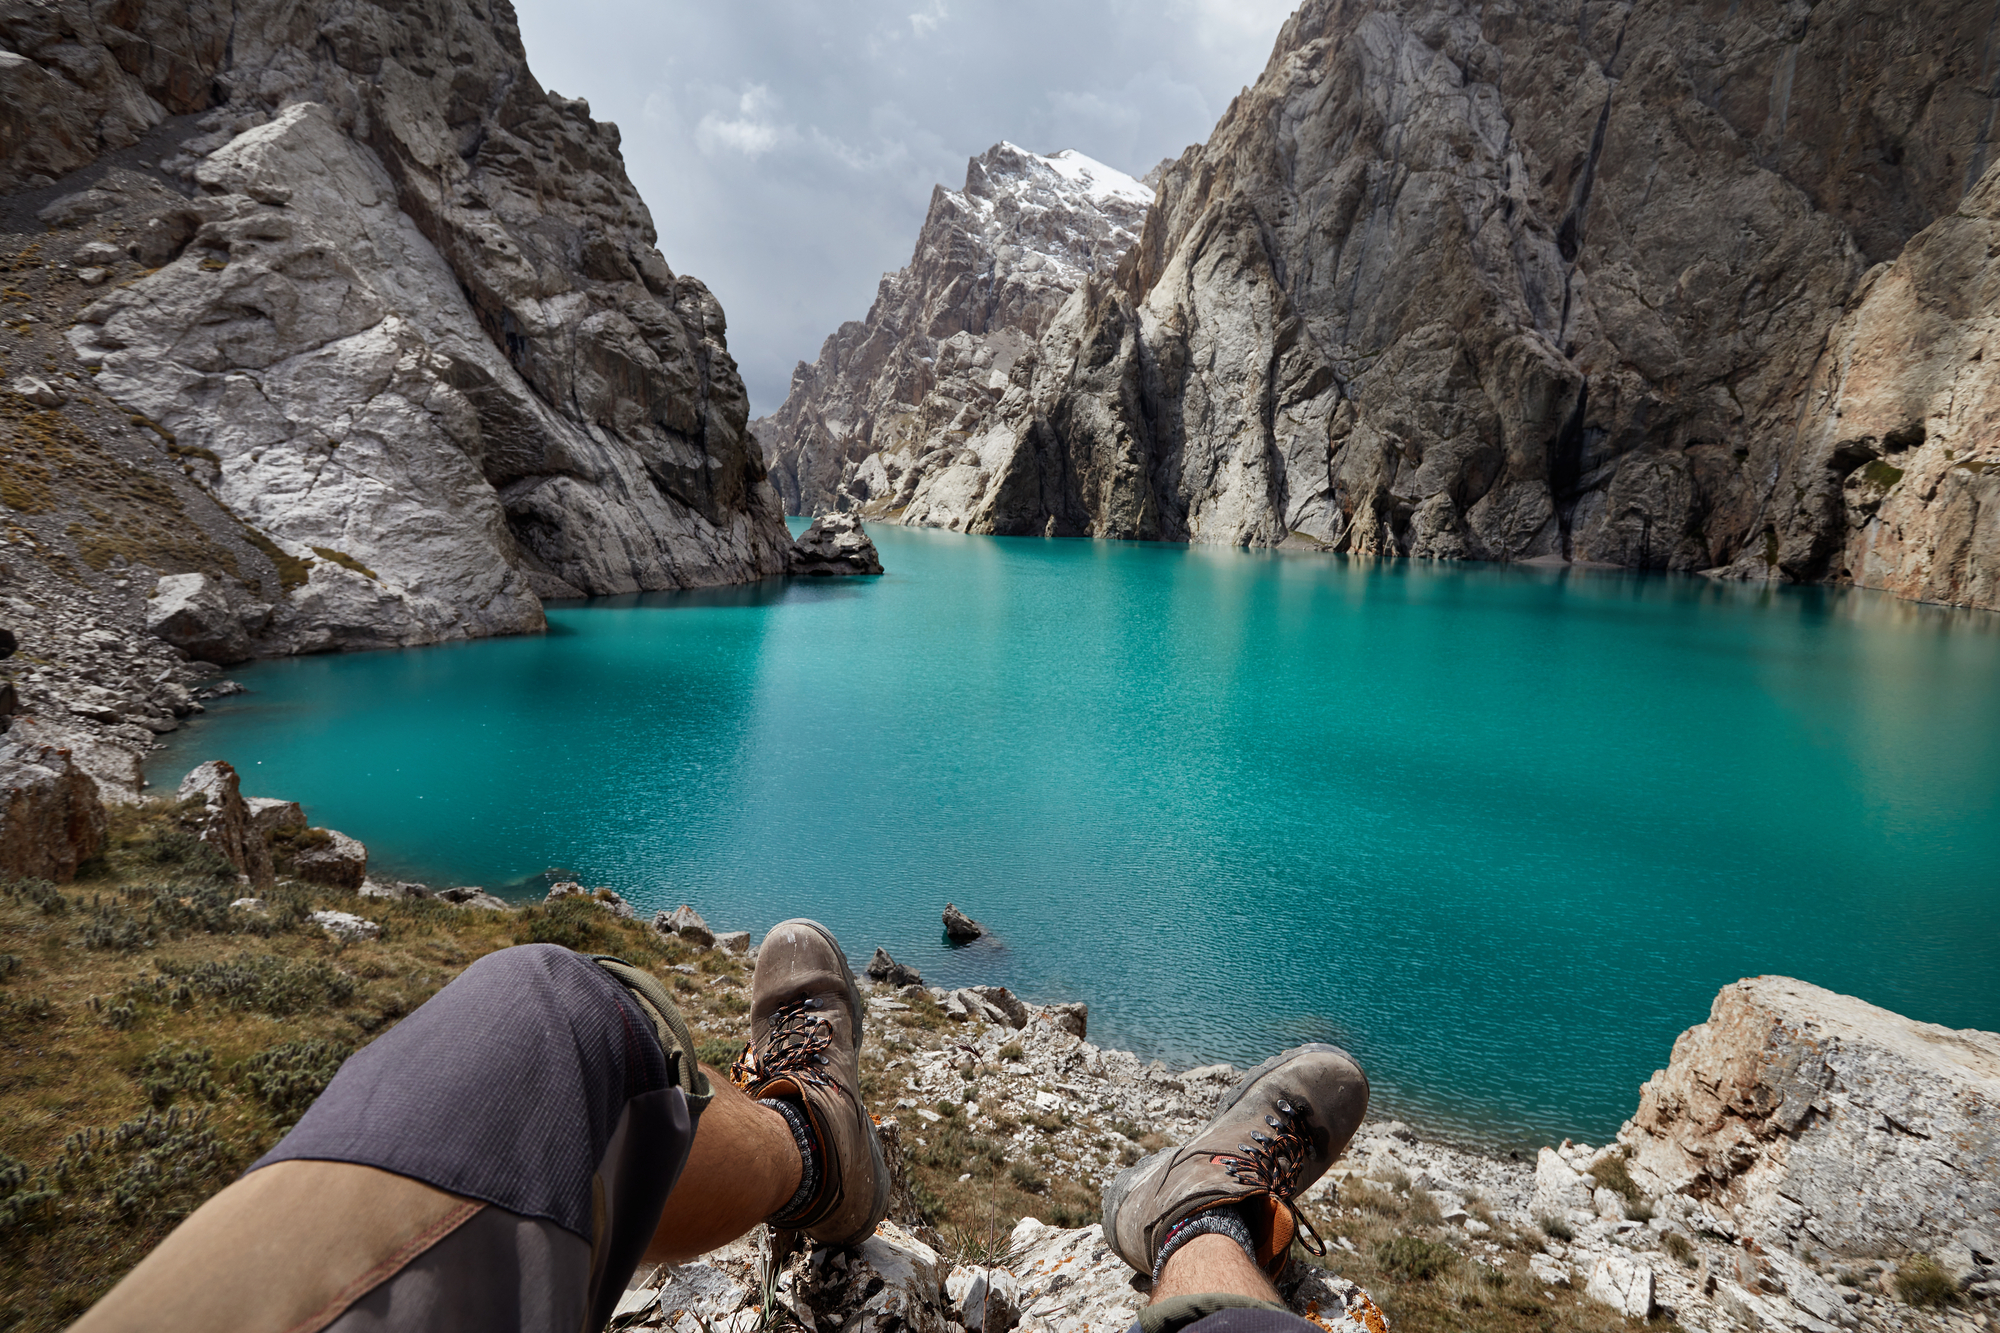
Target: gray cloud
column 788, row 147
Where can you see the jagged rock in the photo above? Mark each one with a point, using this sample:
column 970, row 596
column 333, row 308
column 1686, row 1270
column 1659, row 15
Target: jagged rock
column 685, row 922
column 1547, row 1271
column 1815, row 1120
column 38, row 392
column 51, row 817
column 835, row 544
column 1624, row 1284
column 985, row 1300
column 395, row 890
column 195, row 613
column 896, row 402
column 890, row 1282
column 271, row 818
column 337, row 861
column 960, row 927
column 884, row 968
column 112, row 764
column 733, row 941
column 1002, row 999
column 470, row 895
column 610, row 900
column 345, row 926
column 1073, row 1017
column 224, row 821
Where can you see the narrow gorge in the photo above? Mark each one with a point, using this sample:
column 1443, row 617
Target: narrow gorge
column 1640, row 285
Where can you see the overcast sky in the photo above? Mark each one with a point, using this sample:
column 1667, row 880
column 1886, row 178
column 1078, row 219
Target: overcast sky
column 788, row 148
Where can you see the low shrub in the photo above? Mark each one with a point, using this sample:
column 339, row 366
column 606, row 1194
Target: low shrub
column 267, row 983
column 287, row 1077
column 1921, row 1281
column 1012, row 1051
column 177, row 1068
column 1025, row 1177
column 1555, row 1228
column 1681, row 1248
column 1413, row 1259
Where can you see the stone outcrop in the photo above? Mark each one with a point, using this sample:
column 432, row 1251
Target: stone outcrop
column 390, row 308
column 1815, row 1121
column 1540, row 282
column 687, row 923
column 881, row 967
column 835, row 544
column 263, row 838
column 51, row 819
column 894, row 407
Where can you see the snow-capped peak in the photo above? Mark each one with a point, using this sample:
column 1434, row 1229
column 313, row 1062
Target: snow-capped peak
column 1100, row 182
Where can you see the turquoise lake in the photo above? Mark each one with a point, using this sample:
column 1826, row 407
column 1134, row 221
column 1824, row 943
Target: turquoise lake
column 1500, row 831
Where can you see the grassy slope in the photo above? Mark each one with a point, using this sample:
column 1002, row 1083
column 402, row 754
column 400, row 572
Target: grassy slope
column 153, row 1043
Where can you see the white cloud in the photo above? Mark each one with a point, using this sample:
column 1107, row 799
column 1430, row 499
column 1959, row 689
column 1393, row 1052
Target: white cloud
column 788, row 148
column 750, row 132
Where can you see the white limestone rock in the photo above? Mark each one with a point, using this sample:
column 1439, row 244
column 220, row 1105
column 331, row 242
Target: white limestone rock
column 345, row 926
column 1623, row 1283
column 1818, row 1121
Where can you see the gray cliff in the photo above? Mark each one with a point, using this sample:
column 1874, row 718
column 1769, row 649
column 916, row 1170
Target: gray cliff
column 378, row 322
column 1568, row 281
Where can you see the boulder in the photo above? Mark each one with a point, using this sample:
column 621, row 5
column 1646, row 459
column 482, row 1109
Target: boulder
column 685, row 922
column 471, row 895
column 834, row 544
column 271, row 817
column 1817, row 1121
column 51, row 818
column 959, row 927
column 337, row 861
column 1559, row 1188
column 395, row 891
column 345, row 926
column 886, row 969
column 223, row 821
column 195, row 613
column 1625, row 1284
column 985, row 1300
column 1071, row 1016
column 1002, row 999
column 890, row 1283
column 733, row 941
column 38, row 392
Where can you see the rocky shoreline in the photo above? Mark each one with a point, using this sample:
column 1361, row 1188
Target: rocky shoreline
column 1805, row 1162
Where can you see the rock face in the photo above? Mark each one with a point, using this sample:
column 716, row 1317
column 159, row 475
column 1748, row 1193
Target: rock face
column 395, row 308
column 897, row 401
column 1548, row 281
column 1897, row 483
column 1815, row 1121
column 197, row 614
column 225, row 821
column 835, row 544
column 51, row 820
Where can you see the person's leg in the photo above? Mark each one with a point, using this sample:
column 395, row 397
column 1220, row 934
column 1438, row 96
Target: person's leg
column 743, row 1168
column 1212, row 1264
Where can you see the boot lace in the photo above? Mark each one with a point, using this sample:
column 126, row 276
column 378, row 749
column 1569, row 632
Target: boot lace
column 794, row 1047
column 1273, row 1165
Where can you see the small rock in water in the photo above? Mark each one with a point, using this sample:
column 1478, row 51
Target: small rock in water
column 960, row 927
column 834, row 544
column 884, row 968
column 345, row 926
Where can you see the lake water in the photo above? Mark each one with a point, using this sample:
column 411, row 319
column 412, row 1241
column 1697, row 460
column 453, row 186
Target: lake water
column 1500, row 831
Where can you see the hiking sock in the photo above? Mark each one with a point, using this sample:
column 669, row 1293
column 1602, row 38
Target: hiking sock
column 808, row 1142
column 1213, row 1222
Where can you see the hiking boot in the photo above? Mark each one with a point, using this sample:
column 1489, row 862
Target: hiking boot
column 1275, row 1133
column 805, row 1043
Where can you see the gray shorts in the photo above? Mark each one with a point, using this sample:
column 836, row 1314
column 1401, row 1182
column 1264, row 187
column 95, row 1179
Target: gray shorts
column 535, row 1084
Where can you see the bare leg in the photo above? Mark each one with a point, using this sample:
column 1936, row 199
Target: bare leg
column 743, row 1167
column 1209, row 1265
